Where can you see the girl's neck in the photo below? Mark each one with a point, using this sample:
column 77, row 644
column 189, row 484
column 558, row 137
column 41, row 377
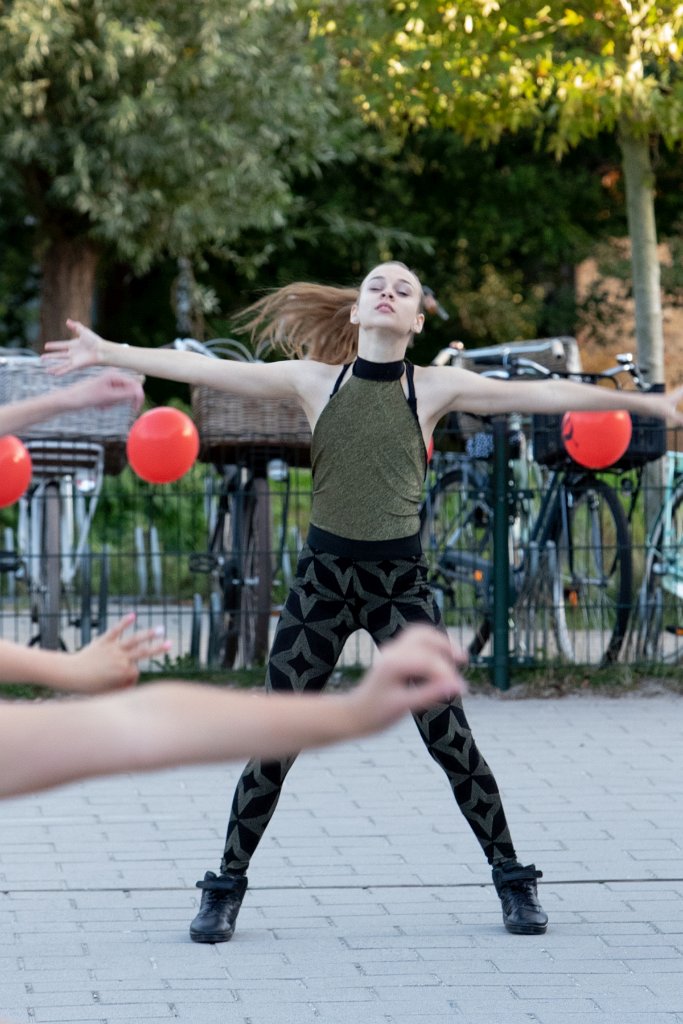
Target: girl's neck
column 381, row 349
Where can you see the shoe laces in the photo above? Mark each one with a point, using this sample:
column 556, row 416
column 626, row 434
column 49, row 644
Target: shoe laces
column 520, row 891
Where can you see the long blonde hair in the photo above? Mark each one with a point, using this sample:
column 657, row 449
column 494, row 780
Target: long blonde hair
column 305, row 321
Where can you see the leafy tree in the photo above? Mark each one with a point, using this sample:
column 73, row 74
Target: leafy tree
column 141, row 128
column 496, row 232
column 568, row 71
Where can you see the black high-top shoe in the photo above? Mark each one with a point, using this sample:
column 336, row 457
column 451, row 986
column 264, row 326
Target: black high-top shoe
column 516, row 886
column 221, row 901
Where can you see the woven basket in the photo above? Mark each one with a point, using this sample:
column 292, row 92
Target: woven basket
column 25, row 377
column 235, row 426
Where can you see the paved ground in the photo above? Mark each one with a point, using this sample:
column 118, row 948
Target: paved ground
column 370, row 902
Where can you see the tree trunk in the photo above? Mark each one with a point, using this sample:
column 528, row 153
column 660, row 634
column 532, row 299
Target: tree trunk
column 67, row 290
column 640, row 207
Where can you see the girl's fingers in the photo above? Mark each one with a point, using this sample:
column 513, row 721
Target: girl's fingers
column 146, row 644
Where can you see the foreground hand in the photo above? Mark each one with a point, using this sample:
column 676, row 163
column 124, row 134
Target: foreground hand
column 107, row 388
column 72, row 354
column 417, row 670
column 110, row 662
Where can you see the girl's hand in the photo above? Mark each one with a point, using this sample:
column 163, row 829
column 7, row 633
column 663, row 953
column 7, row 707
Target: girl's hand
column 107, row 388
column 73, row 354
column 670, row 401
column 110, row 662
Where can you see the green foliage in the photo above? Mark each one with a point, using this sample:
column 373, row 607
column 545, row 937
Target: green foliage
column 175, row 510
column 495, row 232
column 483, row 67
column 156, row 127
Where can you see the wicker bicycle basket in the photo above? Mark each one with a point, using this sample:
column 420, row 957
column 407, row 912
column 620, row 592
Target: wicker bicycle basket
column 24, row 376
column 237, row 427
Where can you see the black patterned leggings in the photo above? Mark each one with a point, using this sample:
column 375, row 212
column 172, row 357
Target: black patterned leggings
column 331, row 598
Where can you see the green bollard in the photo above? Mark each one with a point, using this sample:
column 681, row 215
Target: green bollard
column 501, row 556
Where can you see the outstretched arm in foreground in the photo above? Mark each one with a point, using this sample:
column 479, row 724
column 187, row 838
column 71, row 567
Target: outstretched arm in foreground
column 173, row 723
column 107, row 388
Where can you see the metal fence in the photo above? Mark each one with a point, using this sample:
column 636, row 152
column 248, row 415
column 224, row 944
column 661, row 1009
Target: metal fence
column 531, row 565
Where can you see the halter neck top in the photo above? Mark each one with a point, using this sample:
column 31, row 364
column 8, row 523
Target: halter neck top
column 368, row 456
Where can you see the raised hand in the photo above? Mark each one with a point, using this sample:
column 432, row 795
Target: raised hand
column 415, row 671
column 110, row 662
column 107, row 388
column 73, row 353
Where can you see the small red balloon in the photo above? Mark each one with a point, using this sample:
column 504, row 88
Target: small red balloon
column 162, row 445
column 596, row 439
column 15, row 469
column 430, row 449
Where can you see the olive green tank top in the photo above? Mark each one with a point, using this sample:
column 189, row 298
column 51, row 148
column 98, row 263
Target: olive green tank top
column 368, row 460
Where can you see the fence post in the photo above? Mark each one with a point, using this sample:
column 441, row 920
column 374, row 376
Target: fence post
column 501, row 555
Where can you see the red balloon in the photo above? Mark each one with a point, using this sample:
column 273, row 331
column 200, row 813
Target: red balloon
column 430, row 449
column 162, row 445
column 596, row 439
column 15, row 469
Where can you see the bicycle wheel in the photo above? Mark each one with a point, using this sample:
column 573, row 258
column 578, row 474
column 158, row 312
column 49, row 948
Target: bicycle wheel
column 537, row 623
column 248, row 593
column 49, row 592
column 595, row 570
column 660, row 600
column 457, row 539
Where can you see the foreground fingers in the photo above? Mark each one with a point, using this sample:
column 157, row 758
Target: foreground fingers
column 147, row 643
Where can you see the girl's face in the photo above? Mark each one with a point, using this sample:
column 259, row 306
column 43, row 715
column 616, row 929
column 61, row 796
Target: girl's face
column 390, row 299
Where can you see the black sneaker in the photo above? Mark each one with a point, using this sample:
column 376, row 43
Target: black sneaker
column 516, row 886
column 221, row 901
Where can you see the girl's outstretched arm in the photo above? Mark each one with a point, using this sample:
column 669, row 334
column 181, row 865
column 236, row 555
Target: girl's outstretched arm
column 107, row 388
column 86, row 348
column 444, row 389
column 172, row 723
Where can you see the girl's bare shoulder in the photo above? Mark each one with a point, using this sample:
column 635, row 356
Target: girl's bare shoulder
column 446, row 377
column 313, row 373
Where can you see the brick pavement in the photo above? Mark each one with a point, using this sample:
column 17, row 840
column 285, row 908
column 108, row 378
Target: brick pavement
column 370, row 902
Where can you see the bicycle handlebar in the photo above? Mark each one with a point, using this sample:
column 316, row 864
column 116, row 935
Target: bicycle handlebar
column 507, row 363
column 227, row 348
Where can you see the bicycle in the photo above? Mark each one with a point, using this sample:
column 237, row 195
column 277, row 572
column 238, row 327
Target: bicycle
column 570, row 586
column 242, row 557
column 53, row 527
column 659, row 626
column 238, row 560
column 52, row 555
